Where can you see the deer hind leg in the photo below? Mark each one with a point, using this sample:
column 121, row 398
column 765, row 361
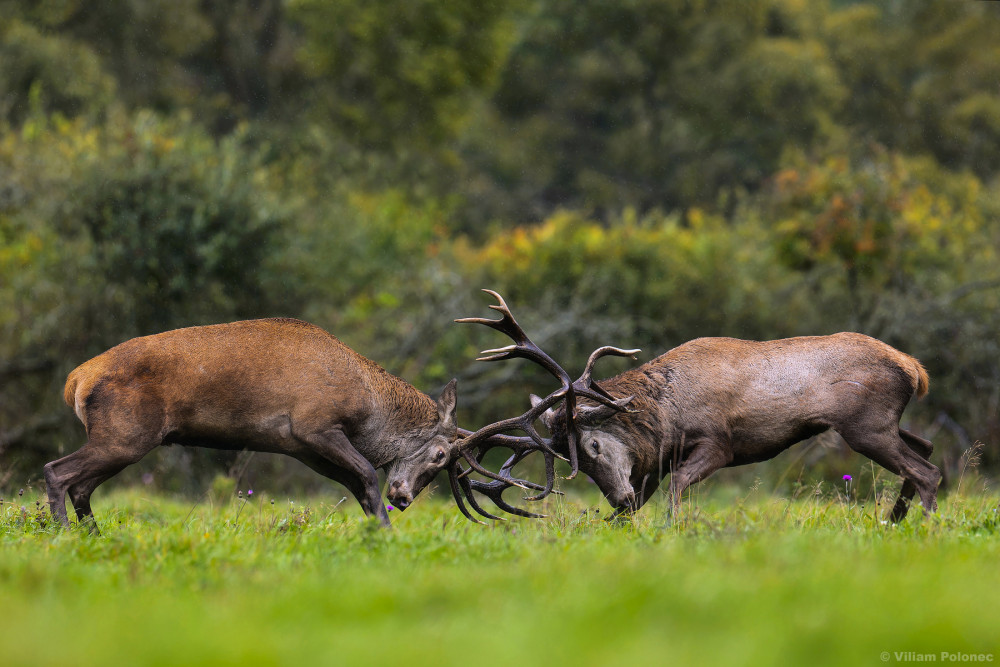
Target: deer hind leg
column 903, row 454
column 83, row 471
column 924, row 448
column 123, row 428
column 59, row 474
column 79, row 495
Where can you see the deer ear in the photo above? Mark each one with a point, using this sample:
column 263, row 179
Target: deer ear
column 446, row 405
column 548, row 417
column 595, row 416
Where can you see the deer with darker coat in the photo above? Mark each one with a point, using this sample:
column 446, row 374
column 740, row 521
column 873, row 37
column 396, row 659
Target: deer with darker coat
column 719, row 402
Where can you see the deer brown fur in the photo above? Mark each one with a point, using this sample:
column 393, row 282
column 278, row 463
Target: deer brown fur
column 719, row 402
column 272, row 385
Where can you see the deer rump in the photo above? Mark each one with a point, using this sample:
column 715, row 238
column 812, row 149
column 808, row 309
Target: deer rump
column 721, row 402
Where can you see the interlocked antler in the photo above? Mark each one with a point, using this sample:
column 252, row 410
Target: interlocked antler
column 474, row 446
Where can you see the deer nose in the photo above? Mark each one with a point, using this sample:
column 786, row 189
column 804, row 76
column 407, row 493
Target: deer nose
column 399, row 494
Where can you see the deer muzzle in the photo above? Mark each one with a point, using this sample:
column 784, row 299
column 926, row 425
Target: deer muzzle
column 399, row 495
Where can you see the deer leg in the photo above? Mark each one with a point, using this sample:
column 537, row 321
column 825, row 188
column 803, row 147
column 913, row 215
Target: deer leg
column 124, row 430
column 650, row 482
column 924, row 449
column 649, row 485
column 57, row 475
column 330, row 471
column 83, row 471
column 705, row 458
column 79, row 495
column 67, row 472
column 891, row 450
column 928, row 474
column 332, row 455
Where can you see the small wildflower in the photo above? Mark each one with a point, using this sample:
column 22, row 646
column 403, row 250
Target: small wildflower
column 389, row 508
column 249, row 492
column 20, row 493
column 847, row 478
column 272, row 501
column 239, row 494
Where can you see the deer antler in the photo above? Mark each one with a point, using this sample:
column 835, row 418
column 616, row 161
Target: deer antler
column 474, row 446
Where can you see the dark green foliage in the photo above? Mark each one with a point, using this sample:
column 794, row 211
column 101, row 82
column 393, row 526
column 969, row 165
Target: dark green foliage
column 397, row 73
column 635, row 173
column 35, row 66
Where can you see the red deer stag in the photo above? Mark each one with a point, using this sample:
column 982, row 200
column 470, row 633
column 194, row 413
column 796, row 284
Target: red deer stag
column 719, row 402
column 271, row 385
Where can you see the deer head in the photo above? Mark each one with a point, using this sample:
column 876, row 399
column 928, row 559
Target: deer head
column 472, row 447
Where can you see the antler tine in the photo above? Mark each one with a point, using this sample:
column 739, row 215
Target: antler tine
column 550, row 477
column 605, row 399
column 456, row 490
column 506, row 324
column 494, row 491
column 523, row 346
column 504, row 475
column 460, row 485
column 585, row 380
column 467, row 488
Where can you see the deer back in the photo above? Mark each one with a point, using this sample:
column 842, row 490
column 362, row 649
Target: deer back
column 229, row 381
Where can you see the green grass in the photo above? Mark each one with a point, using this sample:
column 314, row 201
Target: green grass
column 738, row 581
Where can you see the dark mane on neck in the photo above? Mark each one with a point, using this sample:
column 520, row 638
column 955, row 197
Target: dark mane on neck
column 642, row 429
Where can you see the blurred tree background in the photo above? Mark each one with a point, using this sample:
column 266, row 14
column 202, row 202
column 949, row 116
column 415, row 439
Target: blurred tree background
column 636, row 173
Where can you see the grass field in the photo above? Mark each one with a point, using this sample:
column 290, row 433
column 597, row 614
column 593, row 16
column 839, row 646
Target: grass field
column 757, row 579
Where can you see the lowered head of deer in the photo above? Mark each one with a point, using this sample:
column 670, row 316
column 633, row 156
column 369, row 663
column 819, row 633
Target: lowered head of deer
column 603, row 454
column 428, row 452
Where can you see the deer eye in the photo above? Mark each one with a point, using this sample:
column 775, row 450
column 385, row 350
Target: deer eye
column 439, row 456
column 596, row 447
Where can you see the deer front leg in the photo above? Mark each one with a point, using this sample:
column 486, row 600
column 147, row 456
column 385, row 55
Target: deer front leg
column 703, row 459
column 332, row 455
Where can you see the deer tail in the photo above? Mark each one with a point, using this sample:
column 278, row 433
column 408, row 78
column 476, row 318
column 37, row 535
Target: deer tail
column 69, row 392
column 71, row 397
column 923, row 381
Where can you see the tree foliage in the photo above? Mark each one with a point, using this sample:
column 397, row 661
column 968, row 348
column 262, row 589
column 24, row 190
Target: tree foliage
column 635, row 173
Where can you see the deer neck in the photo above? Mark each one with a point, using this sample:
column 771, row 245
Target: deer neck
column 398, row 414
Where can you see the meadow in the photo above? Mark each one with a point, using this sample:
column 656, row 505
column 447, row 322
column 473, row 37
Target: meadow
column 742, row 577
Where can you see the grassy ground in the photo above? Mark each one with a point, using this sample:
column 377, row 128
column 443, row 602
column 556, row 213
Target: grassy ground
column 753, row 580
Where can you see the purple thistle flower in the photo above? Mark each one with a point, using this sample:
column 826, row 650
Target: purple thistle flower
column 847, row 478
column 389, row 508
column 249, row 492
